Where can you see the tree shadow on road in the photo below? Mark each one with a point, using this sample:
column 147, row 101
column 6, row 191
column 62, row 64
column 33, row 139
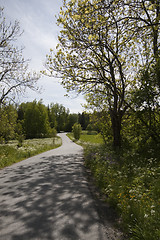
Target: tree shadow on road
column 48, row 200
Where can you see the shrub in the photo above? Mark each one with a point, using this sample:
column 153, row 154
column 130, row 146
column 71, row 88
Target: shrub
column 20, row 140
column 76, row 129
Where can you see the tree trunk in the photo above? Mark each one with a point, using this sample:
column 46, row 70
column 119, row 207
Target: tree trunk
column 116, row 119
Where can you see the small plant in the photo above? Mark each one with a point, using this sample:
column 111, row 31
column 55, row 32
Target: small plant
column 76, row 129
column 20, row 141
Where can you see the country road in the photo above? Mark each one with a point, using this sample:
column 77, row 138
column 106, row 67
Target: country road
column 46, row 197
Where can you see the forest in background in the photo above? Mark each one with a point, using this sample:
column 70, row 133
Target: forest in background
column 35, row 120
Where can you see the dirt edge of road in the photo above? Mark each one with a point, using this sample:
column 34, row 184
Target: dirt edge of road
column 107, row 214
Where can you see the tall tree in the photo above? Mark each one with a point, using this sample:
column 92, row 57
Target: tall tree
column 144, row 21
column 83, row 119
column 71, row 120
column 94, row 54
column 58, row 116
column 52, row 116
column 35, row 122
column 14, row 75
column 8, row 121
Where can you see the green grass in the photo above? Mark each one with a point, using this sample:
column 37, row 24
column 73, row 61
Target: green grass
column 87, row 138
column 9, row 153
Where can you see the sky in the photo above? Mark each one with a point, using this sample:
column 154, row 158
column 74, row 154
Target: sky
column 38, row 20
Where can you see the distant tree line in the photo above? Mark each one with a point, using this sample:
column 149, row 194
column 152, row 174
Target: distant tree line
column 35, row 120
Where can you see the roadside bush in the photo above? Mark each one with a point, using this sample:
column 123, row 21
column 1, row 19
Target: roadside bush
column 76, row 129
column 20, row 140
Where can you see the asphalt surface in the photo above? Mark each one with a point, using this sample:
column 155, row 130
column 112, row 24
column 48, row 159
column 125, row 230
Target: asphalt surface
column 46, row 197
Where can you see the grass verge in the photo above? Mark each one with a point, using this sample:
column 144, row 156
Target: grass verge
column 132, row 186
column 86, row 138
column 9, row 153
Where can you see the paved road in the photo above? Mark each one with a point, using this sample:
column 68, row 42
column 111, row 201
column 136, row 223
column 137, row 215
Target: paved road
column 46, row 197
